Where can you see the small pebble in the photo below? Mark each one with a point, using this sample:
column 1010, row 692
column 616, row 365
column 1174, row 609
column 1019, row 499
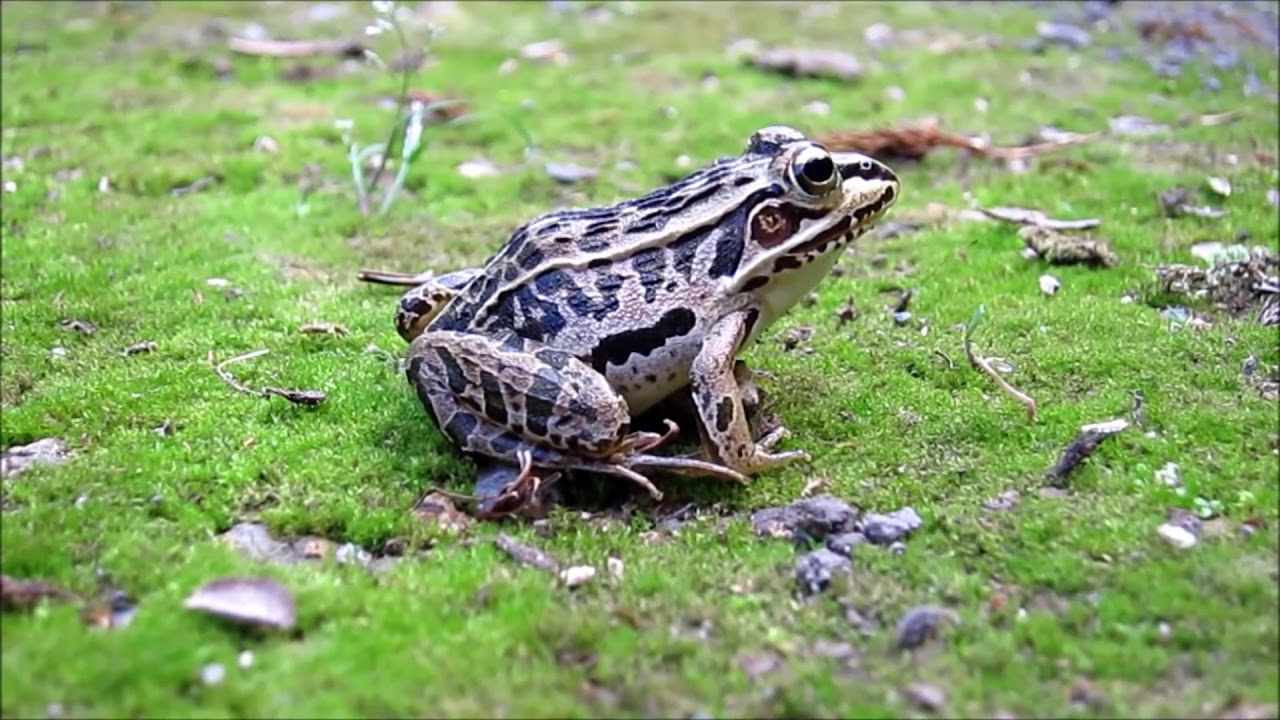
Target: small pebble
column 920, row 624
column 1176, row 535
column 577, row 575
column 615, row 567
column 814, row 570
column 842, row 544
column 245, row 659
column 885, row 529
column 1049, row 284
column 212, row 674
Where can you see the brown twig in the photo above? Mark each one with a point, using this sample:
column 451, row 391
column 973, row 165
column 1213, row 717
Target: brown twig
column 295, row 48
column 299, row 397
column 984, row 364
column 229, row 379
column 913, row 142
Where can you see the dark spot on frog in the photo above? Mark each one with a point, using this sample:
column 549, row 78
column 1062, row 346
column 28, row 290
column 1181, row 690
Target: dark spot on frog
column 755, row 283
column 455, row 379
column 642, row 341
column 786, row 262
column 495, row 407
column 724, row 413
column 461, row 426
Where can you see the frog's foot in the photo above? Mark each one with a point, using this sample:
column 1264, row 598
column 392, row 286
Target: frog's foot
column 504, row 490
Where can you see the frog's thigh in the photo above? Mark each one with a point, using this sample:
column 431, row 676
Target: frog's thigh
column 718, row 397
column 537, row 394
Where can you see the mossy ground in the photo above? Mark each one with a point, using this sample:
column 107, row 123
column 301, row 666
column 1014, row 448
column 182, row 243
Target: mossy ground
column 1065, row 591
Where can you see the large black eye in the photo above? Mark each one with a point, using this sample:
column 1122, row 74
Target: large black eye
column 814, row 171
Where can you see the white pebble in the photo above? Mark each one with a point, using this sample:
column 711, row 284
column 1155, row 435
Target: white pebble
column 1049, row 284
column 1176, row 535
column 577, row 575
column 615, row 567
column 212, row 674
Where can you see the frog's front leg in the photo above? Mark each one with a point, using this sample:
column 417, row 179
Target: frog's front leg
column 718, row 394
column 503, row 396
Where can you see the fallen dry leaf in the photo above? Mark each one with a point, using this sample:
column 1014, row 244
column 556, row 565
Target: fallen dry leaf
column 807, row 62
column 525, row 554
column 1036, row 218
column 1062, row 249
column 914, row 141
column 19, row 594
column 248, row 599
column 1082, row 446
column 323, row 327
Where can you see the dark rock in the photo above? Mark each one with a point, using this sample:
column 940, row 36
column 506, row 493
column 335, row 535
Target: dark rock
column 814, row 570
column 885, row 529
column 842, row 544
column 817, row 517
column 920, row 625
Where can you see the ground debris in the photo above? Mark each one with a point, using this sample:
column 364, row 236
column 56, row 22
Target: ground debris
column 83, row 327
column 439, row 508
column 911, row 142
column 807, row 62
column 816, row 569
column 20, row 458
column 925, row 696
column 1177, row 201
column 296, row 48
column 759, row 664
column 921, row 624
column 254, row 541
column 296, row 396
column 19, row 594
column 813, row 517
column 1237, row 280
column 138, row 348
column 1061, row 249
column 323, row 328
column 1030, row 217
column 888, row 528
column 987, row 366
column 247, row 599
column 525, row 554
column 1080, row 448
column 569, row 173
column 112, row 609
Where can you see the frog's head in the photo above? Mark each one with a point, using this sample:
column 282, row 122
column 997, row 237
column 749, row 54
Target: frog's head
column 809, row 204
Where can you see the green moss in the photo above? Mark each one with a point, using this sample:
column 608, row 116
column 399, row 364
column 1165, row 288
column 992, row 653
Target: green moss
column 1060, row 589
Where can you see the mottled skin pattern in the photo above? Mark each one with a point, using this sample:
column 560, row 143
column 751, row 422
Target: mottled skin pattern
column 584, row 319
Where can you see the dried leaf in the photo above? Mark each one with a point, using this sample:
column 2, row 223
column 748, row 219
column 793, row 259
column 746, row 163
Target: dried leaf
column 1029, row 216
column 81, row 326
column 807, row 62
column 18, row 594
column 568, row 173
column 1080, row 448
column 309, row 398
column 145, row 346
column 438, row 508
column 472, row 169
column 251, row 600
column 1221, row 186
column 323, row 327
column 1061, row 249
column 19, row 458
column 526, row 555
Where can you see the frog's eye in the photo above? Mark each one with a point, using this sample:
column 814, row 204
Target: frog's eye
column 814, row 171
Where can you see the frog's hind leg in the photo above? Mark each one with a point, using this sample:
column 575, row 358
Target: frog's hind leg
column 499, row 396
